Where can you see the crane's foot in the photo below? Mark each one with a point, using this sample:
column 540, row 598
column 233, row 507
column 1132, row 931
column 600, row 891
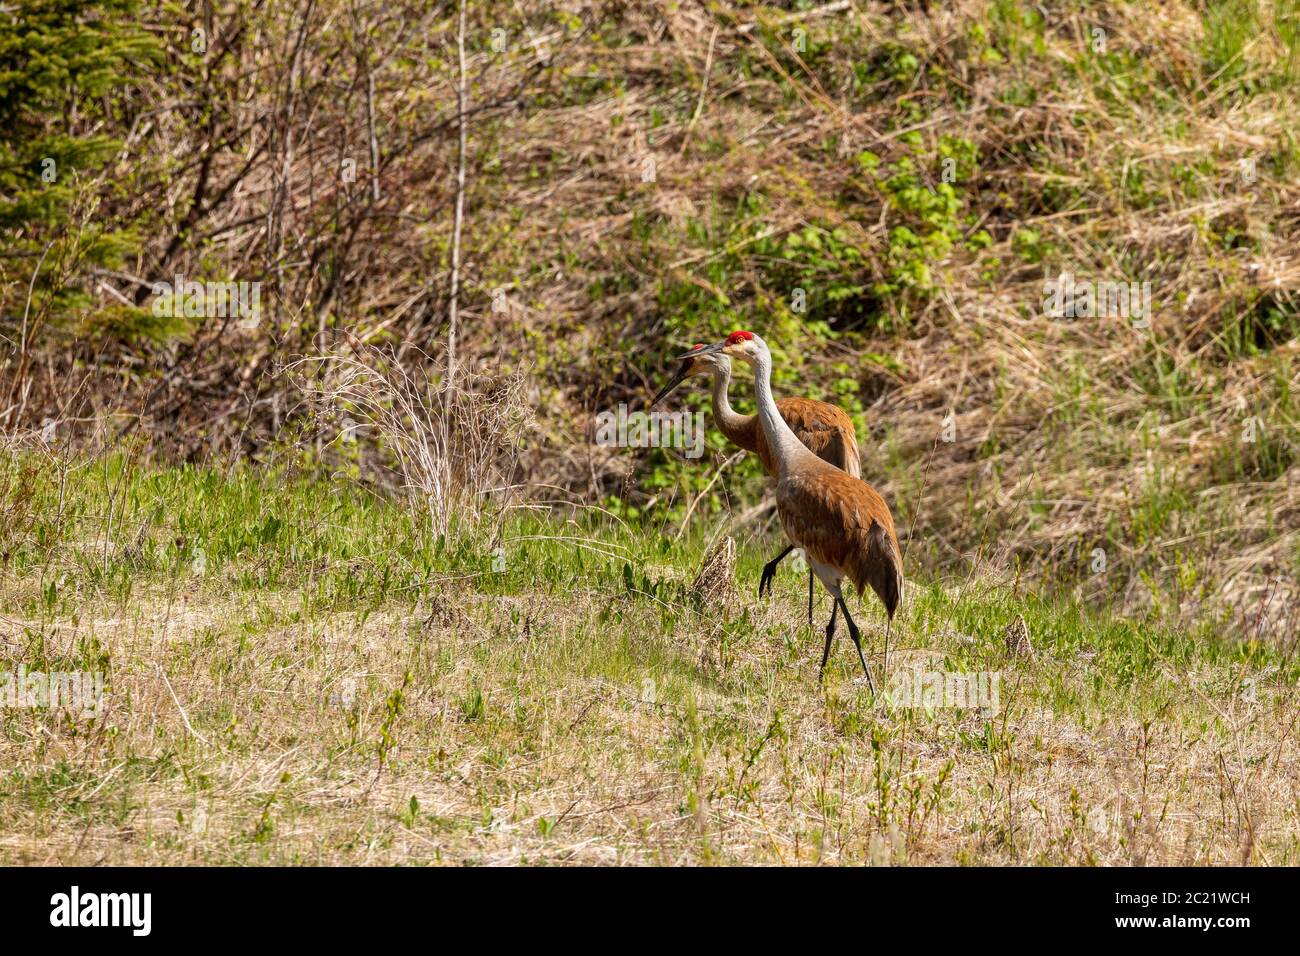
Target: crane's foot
column 769, row 571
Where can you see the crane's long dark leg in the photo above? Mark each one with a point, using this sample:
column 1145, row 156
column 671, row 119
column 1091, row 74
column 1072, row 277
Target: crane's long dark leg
column 857, row 642
column 769, row 570
column 830, row 633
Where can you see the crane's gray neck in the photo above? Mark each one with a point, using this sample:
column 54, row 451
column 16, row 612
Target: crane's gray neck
column 786, row 448
column 729, row 420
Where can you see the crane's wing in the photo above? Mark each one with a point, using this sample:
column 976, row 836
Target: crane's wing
column 826, row 430
column 842, row 452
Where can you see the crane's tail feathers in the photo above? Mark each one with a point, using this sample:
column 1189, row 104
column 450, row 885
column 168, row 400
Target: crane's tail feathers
column 845, row 455
column 853, row 457
column 880, row 567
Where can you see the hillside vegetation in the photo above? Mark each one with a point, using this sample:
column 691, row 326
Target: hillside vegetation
column 882, row 190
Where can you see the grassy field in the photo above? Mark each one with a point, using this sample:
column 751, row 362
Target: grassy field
column 298, row 674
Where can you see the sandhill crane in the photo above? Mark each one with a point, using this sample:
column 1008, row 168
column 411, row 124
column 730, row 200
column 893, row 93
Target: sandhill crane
column 823, row 428
column 841, row 522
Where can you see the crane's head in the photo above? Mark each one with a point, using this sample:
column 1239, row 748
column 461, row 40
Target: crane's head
column 744, row 345
column 700, row 360
column 739, row 344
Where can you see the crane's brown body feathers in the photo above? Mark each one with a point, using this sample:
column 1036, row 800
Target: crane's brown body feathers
column 825, row 430
column 842, row 522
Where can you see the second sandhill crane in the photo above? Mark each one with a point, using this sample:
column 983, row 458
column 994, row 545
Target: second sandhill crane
column 842, row 524
column 823, row 428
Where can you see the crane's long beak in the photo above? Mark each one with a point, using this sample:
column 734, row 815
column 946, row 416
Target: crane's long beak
column 702, row 350
column 672, row 384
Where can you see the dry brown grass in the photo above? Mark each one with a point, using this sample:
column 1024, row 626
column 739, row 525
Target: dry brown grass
column 448, row 450
column 538, row 729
